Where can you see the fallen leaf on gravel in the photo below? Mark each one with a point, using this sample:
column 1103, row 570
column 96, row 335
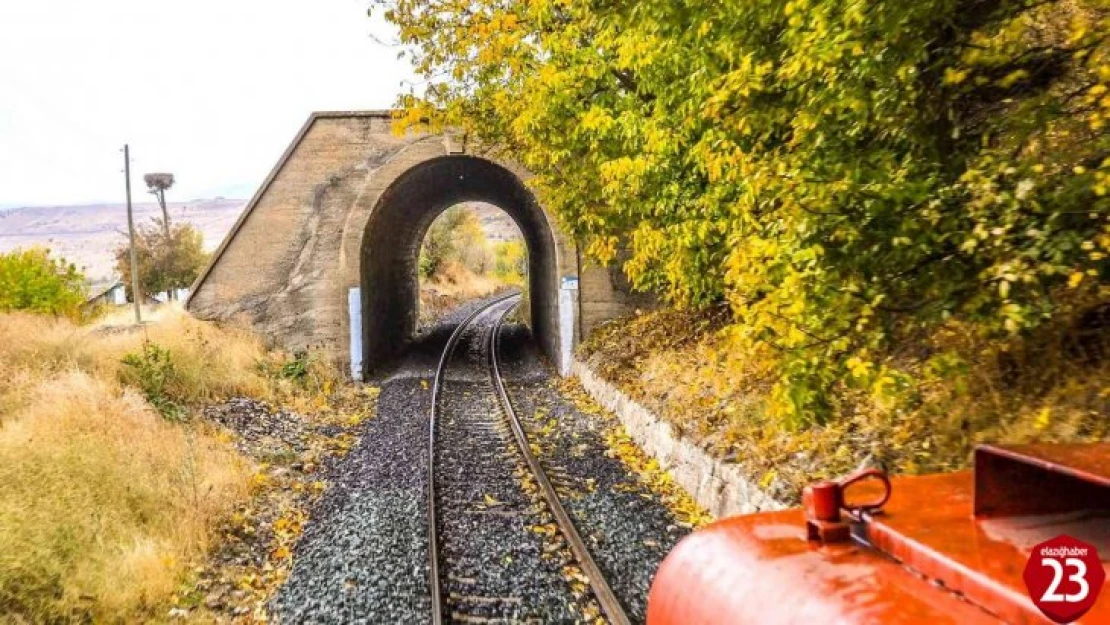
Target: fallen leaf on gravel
column 547, row 529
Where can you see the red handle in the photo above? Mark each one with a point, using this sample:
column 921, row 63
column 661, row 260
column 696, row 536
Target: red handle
column 860, row 476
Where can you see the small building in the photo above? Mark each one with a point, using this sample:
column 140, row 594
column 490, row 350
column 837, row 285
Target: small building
column 179, row 295
column 112, row 294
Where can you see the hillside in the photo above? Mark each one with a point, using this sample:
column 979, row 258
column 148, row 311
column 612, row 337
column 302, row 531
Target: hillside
column 497, row 225
column 87, row 234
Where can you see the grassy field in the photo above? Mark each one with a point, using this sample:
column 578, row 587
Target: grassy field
column 111, row 487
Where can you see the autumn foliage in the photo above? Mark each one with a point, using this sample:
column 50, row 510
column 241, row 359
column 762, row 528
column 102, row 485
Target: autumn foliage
column 847, row 175
column 35, row 281
column 455, row 236
column 164, row 264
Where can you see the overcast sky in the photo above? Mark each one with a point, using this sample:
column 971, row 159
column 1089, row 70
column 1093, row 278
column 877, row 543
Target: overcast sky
column 211, row 90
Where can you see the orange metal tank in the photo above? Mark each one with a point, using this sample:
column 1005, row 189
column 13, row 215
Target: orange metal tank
column 943, row 549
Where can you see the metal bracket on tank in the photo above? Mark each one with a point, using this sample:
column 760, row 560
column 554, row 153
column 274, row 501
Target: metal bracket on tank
column 824, row 503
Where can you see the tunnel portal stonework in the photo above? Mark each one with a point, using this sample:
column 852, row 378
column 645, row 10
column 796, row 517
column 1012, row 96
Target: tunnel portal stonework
column 346, row 207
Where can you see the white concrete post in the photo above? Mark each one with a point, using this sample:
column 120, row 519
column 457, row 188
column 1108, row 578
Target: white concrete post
column 354, row 310
column 568, row 295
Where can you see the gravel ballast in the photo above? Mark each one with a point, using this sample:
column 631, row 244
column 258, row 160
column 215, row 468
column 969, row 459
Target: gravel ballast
column 363, row 555
column 625, row 523
column 501, row 555
column 362, row 558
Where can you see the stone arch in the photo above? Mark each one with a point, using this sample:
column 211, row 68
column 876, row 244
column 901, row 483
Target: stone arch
column 292, row 262
column 395, row 230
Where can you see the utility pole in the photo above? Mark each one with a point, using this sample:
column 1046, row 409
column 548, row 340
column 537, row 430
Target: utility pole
column 131, row 233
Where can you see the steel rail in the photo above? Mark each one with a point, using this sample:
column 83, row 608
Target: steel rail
column 433, row 541
column 604, row 594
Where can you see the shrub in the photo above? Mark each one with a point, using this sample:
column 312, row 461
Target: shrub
column 33, row 281
column 296, row 368
column 455, row 236
column 151, row 369
column 307, row 372
column 511, row 262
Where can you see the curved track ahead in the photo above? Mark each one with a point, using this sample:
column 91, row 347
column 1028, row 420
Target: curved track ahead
column 484, row 429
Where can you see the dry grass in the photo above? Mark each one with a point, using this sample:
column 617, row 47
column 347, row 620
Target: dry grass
column 452, row 285
column 105, row 504
column 1049, row 387
column 210, row 362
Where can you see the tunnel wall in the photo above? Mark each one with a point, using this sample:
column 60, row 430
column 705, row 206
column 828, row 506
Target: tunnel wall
column 395, row 232
column 288, row 263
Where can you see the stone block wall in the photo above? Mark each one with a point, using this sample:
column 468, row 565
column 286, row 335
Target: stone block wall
column 289, row 261
column 721, row 488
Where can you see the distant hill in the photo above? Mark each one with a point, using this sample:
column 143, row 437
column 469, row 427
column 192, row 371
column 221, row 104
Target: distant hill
column 497, row 224
column 86, row 235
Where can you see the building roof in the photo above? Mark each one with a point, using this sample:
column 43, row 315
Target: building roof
column 103, row 289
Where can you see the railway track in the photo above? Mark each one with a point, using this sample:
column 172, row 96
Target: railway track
column 501, row 546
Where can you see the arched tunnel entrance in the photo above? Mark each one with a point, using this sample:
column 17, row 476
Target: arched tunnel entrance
column 389, row 266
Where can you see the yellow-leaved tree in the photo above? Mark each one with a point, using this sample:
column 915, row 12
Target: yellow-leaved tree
column 844, row 173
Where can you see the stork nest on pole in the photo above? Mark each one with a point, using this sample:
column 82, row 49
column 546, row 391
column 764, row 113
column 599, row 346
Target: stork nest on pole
column 158, row 181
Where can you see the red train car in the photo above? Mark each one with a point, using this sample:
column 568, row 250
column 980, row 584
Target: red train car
column 951, row 548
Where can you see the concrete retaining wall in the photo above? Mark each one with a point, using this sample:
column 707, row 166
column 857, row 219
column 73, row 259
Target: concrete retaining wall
column 720, row 487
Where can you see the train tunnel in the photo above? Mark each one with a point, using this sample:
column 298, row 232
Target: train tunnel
column 394, row 232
